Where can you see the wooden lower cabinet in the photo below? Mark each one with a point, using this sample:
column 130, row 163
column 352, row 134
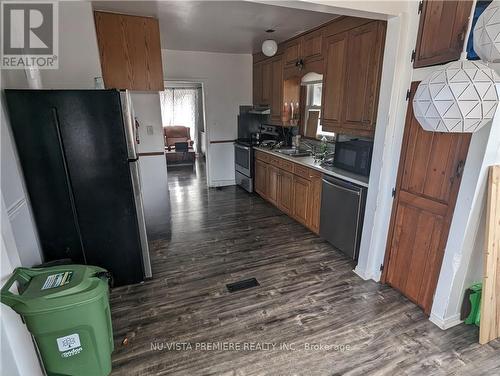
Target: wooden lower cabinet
column 272, row 184
column 301, row 200
column 315, row 201
column 261, row 178
column 285, row 192
column 297, row 194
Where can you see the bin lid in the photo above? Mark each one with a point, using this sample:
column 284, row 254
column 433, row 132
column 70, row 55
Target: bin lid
column 53, row 288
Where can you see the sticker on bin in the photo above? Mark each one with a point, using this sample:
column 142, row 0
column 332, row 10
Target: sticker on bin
column 69, row 342
column 57, row 280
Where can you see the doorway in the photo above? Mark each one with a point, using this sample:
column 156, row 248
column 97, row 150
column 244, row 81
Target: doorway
column 183, row 121
column 430, row 171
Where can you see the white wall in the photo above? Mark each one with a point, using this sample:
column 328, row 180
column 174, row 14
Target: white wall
column 227, row 84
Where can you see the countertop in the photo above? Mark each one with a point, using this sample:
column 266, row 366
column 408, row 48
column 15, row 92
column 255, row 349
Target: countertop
column 327, row 170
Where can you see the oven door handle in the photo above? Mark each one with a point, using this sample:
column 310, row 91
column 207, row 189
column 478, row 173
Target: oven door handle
column 242, row 147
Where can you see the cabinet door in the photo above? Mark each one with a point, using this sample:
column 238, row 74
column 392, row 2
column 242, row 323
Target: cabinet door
column 312, row 46
column 285, row 192
column 130, row 51
column 277, row 90
column 261, row 178
column 267, row 82
column 292, row 52
column 257, row 84
column 315, row 202
column 333, row 85
column 441, row 33
column 301, row 197
column 272, row 184
column 112, row 50
column 362, row 77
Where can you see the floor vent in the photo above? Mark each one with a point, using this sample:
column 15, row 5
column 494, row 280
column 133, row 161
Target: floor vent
column 242, row 285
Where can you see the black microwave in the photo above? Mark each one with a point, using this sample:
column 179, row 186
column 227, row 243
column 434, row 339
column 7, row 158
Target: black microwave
column 354, row 156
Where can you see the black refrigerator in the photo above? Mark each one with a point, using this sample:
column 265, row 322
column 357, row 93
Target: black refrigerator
column 77, row 150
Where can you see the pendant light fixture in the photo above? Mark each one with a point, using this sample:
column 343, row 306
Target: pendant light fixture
column 486, row 36
column 269, row 46
column 460, row 96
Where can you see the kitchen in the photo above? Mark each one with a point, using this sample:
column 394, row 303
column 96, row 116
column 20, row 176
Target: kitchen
column 316, row 132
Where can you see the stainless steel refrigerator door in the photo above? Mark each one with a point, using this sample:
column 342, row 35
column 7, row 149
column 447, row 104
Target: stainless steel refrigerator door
column 129, row 124
column 136, row 182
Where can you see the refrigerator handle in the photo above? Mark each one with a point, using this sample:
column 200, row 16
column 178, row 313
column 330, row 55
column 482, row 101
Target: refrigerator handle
column 129, row 124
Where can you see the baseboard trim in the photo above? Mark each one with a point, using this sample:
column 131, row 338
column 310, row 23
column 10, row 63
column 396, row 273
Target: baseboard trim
column 446, row 323
column 362, row 274
column 222, row 183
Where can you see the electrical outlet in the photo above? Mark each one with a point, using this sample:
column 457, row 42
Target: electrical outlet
column 150, row 130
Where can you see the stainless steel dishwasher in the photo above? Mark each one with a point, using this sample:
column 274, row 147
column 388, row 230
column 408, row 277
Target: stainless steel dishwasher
column 342, row 213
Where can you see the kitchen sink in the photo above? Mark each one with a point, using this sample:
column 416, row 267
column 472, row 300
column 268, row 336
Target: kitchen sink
column 294, row 152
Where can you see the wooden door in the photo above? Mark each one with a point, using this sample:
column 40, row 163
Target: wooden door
column 272, row 184
column 364, row 58
column 334, row 80
column 301, row 197
column 442, row 30
column 277, row 90
column 267, row 84
column 429, row 177
column 285, row 192
column 261, row 178
column 257, row 84
column 315, row 201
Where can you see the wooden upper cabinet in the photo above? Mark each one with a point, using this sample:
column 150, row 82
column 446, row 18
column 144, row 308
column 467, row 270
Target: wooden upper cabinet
column 130, row 51
column 257, row 84
column 312, row 46
column 352, row 80
column 277, row 89
column 364, row 60
column 267, row 83
column 441, row 33
column 334, row 79
column 292, row 52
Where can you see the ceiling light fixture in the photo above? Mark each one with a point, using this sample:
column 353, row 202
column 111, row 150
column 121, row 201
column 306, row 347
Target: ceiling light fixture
column 459, row 97
column 269, row 47
column 486, row 34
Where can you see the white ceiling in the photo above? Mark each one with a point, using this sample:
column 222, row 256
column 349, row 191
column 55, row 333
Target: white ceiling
column 219, row 26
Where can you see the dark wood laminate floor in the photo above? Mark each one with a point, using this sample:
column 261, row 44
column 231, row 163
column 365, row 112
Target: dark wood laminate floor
column 308, row 294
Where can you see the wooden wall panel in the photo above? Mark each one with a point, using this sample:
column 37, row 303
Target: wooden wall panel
column 490, row 303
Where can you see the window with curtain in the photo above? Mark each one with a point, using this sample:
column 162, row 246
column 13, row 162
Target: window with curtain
column 179, row 106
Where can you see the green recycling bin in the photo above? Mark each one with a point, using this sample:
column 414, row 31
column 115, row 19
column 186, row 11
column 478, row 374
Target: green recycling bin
column 66, row 309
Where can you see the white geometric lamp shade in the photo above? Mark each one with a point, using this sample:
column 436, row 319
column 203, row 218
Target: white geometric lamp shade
column 486, row 36
column 460, row 96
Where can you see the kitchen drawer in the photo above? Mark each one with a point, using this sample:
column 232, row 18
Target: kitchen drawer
column 313, row 174
column 286, row 165
column 301, row 171
column 262, row 156
column 275, row 161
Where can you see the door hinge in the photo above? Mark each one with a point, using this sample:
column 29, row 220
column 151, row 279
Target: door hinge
column 420, row 6
column 413, row 55
column 393, row 193
column 408, row 94
column 381, row 267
